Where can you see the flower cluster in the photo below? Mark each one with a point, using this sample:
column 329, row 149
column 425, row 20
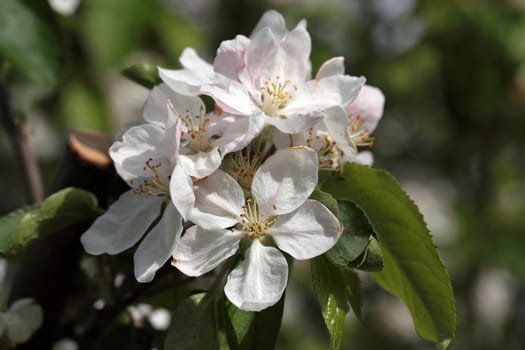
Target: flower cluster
column 239, row 177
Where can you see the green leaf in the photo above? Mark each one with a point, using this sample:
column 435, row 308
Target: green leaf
column 61, row 209
column 144, row 74
column 412, row 268
column 8, row 225
column 327, row 199
column 253, row 330
column 28, row 43
column 354, row 292
column 355, row 237
column 371, row 259
column 192, row 326
column 334, row 291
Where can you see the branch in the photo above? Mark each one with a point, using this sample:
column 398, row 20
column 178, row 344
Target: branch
column 19, row 135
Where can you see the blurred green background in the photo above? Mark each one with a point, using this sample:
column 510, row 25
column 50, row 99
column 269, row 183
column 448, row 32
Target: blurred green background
column 453, row 73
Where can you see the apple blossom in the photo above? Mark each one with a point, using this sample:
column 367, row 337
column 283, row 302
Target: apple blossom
column 267, row 77
column 278, row 213
column 145, row 159
column 337, row 137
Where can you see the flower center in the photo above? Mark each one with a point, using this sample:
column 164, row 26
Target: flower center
column 275, row 95
column 244, row 166
column 358, row 136
column 155, row 183
column 194, row 130
column 254, row 223
column 328, row 152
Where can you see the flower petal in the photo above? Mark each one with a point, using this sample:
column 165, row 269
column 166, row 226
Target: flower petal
column 285, row 180
column 158, row 245
column 200, row 250
column 188, row 81
column 230, row 57
column 240, row 133
column 218, row 201
column 294, row 124
column 336, row 122
column 307, row 232
column 291, row 61
column 317, row 95
column 155, row 108
column 260, row 280
column 123, row 224
column 334, row 66
column 232, row 97
column 139, row 144
column 369, row 105
column 274, row 20
column 181, row 191
column 201, row 164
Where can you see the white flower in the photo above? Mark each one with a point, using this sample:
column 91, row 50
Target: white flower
column 202, row 139
column 145, row 159
column 267, row 77
column 337, row 138
column 20, row 321
column 279, row 212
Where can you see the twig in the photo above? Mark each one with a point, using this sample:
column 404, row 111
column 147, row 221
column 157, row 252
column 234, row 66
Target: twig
column 19, row 135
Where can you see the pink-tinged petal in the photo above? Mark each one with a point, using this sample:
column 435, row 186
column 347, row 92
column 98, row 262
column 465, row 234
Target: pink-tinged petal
column 292, row 58
column 162, row 101
column 188, row 81
column 201, row 164
column 334, row 66
column 123, row 224
column 369, row 105
column 260, row 279
column 285, row 180
column 336, row 122
column 273, row 20
column 218, row 201
column 307, row 232
column 317, row 95
column 200, row 251
column 230, row 57
column 181, row 191
column 158, row 245
column 231, row 97
column 190, row 59
column 155, row 108
column 139, row 144
column 294, row 124
column 239, row 134
column 259, row 54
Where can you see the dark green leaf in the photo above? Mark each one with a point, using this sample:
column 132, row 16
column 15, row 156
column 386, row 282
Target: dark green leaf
column 61, row 209
column 192, row 326
column 27, row 43
column 371, row 259
column 354, row 291
column 253, row 330
column 412, row 267
column 327, row 199
column 355, row 237
column 333, row 294
column 144, row 74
